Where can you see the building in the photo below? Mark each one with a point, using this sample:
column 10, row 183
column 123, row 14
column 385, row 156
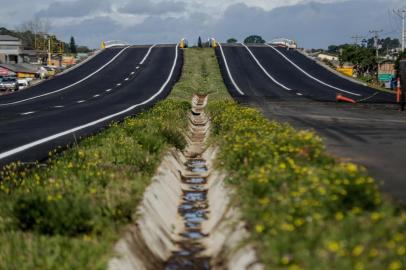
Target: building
column 21, row 70
column 327, row 56
column 11, row 50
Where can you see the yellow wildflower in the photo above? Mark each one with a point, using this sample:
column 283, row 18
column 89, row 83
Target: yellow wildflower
column 357, row 250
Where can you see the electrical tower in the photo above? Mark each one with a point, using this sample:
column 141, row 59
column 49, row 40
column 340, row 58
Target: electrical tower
column 402, row 14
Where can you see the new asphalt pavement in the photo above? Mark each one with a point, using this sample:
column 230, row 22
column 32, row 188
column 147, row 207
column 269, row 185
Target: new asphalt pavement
column 289, row 87
column 117, row 83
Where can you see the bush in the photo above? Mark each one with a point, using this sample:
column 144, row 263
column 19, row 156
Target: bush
column 67, row 215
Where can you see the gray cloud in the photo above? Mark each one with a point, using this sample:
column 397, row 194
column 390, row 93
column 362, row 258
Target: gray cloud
column 147, row 7
column 78, row 8
column 312, row 24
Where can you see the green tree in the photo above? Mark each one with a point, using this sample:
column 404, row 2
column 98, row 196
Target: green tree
column 363, row 59
column 232, row 40
column 72, row 45
column 254, row 39
column 83, row 49
column 199, row 43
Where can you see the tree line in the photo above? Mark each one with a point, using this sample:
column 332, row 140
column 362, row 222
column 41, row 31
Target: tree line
column 34, row 35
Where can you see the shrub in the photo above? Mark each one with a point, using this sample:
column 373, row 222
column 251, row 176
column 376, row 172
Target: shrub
column 67, row 215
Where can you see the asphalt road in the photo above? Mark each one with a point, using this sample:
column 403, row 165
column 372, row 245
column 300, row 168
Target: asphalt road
column 371, row 133
column 117, row 83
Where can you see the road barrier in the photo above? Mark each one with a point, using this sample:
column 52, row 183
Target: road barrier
column 341, row 98
column 403, row 83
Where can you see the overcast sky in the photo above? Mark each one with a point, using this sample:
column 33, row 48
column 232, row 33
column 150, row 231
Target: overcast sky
column 313, row 24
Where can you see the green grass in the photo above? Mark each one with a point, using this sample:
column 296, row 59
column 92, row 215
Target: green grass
column 201, row 75
column 68, row 213
column 304, row 209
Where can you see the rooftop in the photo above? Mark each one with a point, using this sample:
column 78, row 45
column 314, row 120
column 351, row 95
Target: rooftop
column 8, row 38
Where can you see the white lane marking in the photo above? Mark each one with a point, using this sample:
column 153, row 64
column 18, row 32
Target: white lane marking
column 132, row 73
column 27, row 113
column 96, row 96
column 69, row 86
column 108, row 90
column 310, row 76
column 137, row 67
column 126, row 79
column 264, row 70
column 299, row 94
column 119, row 84
column 81, row 101
column 147, row 55
column 229, row 72
column 61, row 134
column 58, row 106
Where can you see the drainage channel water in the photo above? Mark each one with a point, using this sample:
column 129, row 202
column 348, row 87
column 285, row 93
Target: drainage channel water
column 194, row 211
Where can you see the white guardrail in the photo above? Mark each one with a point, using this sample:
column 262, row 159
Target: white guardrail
column 113, row 43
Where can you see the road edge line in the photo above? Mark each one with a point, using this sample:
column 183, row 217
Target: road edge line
column 229, row 72
column 70, row 131
column 264, row 70
column 311, row 76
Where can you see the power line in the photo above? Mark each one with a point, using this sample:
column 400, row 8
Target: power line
column 357, row 38
column 402, row 14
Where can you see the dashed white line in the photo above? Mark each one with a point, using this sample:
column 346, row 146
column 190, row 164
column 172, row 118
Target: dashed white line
column 69, row 86
column 310, row 76
column 109, row 90
column 137, row 67
column 299, row 94
column 58, row 106
column 229, row 72
column 96, row 96
column 126, row 79
column 27, row 113
column 80, row 101
column 70, row 131
column 119, row 84
column 132, row 73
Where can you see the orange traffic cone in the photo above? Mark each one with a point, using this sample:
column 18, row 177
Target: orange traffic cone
column 341, row 98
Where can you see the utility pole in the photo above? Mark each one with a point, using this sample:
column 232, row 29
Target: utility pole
column 402, row 14
column 376, row 39
column 49, row 51
column 357, row 38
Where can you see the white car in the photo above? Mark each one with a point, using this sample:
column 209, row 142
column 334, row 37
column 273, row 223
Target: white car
column 23, row 83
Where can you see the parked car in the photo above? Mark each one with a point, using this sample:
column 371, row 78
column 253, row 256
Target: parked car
column 23, row 83
column 10, row 84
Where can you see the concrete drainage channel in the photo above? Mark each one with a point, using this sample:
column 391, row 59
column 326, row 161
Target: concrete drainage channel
column 186, row 220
